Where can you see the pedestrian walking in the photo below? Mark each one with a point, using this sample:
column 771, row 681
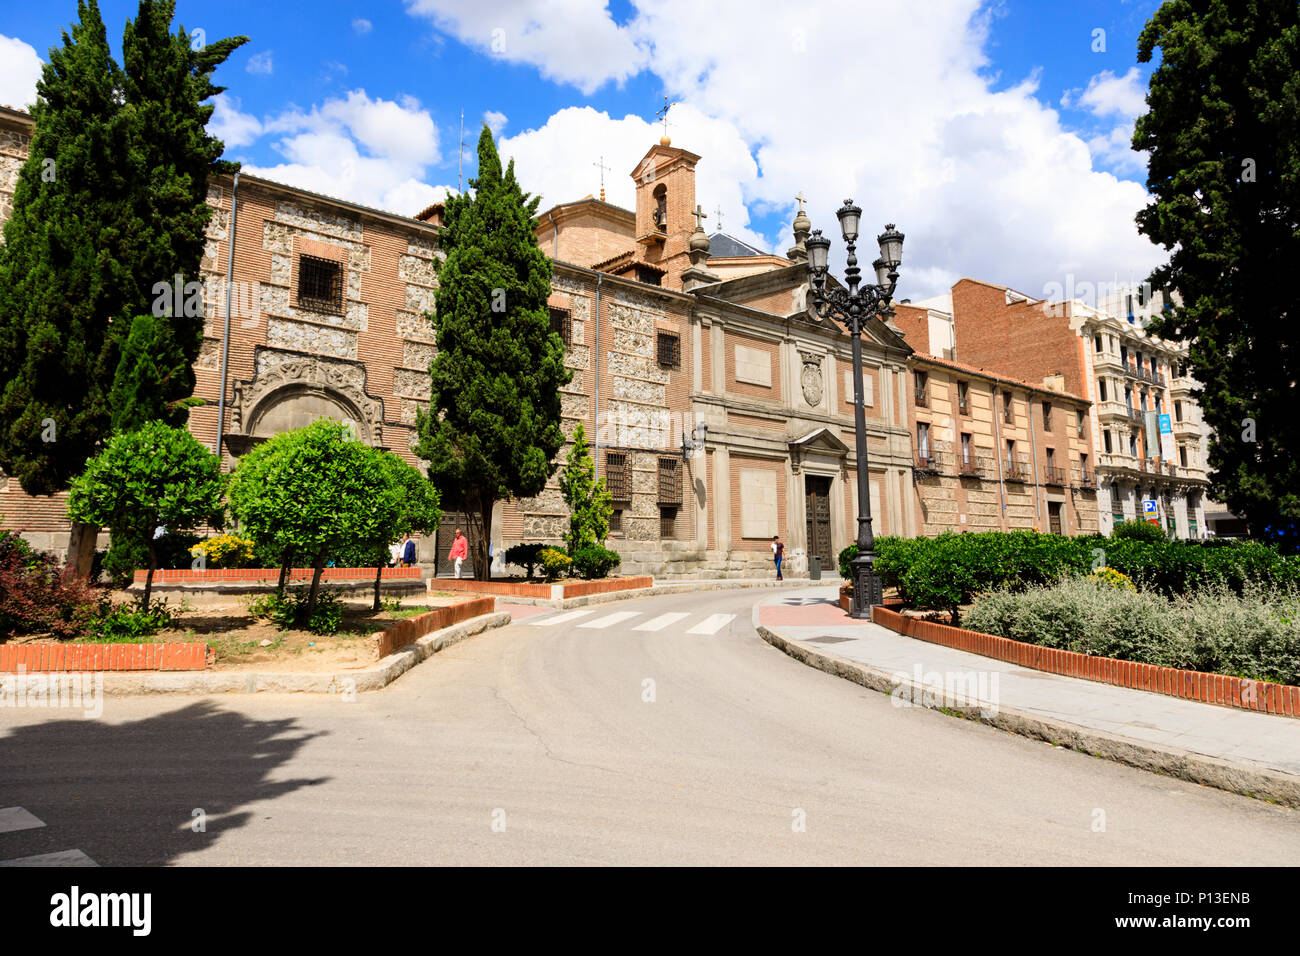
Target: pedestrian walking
column 408, row 552
column 395, row 554
column 459, row 551
column 778, row 552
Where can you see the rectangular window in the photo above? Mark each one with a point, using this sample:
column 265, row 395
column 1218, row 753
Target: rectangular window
column 1182, row 455
column 1178, row 411
column 1083, row 423
column 320, row 284
column 1133, row 444
column 1083, row 466
column 1007, row 415
column 1105, row 437
column 963, row 393
column 967, row 455
column 1101, row 388
column 667, row 521
column 668, row 348
column 1096, row 341
column 562, row 325
column 1011, row 455
column 616, row 521
column 670, row 481
column 920, row 389
column 649, row 276
column 1047, row 416
column 922, row 440
column 618, row 477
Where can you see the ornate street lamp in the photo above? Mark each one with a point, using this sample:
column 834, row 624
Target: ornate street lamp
column 854, row 308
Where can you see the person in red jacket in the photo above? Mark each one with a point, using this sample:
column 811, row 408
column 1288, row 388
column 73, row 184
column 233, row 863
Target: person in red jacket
column 459, row 550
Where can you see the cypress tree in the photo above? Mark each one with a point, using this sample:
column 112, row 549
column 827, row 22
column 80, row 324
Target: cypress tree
column 111, row 201
column 1223, row 132
column 493, row 423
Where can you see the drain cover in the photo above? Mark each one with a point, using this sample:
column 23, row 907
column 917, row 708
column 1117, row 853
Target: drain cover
column 829, row 640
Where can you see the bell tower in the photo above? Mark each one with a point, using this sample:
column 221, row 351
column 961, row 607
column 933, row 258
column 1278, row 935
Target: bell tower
column 665, row 199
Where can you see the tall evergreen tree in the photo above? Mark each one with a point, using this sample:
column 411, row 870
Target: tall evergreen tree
column 1223, row 132
column 493, row 423
column 111, row 201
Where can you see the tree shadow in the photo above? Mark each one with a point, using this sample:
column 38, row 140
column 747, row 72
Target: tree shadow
column 125, row 793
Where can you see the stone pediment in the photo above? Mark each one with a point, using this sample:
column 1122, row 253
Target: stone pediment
column 821, row 441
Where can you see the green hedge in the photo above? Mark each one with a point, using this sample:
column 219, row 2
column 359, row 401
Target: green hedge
column 945, row 572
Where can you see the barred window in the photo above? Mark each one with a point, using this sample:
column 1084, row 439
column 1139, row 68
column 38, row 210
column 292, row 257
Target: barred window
column 562, row 325
column 668, row 521
column 670, row 481
column 668, row 347
column 320, row 284
column 616, row 521
column 618, row 478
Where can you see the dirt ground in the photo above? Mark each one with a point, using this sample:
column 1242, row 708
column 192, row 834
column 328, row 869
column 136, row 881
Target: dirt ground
column 242, row 643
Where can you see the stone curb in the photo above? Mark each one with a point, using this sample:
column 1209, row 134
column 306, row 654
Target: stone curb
column 671, row 587
column 375, row 677
column 1250, row 780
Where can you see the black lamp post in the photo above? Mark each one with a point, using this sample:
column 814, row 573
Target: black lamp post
column 854, row 309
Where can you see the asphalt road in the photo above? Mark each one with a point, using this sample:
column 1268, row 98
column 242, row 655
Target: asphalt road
column 546, row 745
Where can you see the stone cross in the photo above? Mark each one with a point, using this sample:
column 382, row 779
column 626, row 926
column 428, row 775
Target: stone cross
column 699, row 214
column 801, row 199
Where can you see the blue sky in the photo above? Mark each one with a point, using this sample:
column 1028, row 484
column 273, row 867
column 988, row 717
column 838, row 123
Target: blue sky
column 993, row 133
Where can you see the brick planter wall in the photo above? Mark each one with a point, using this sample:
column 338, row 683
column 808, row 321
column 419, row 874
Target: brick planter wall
column 412, row 629
column 1192, row 685
column 546, row 592
column 190, row 656
column 251, row 575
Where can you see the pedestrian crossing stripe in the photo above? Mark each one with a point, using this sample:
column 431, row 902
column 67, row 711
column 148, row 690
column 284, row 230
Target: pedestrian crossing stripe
column 560, row 619
column 712, row 624
column 13, row 819
column 708, row 626
column 609, row 620
column 662, row 621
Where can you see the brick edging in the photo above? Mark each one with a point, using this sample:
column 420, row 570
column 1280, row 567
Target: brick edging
column 34, row 658
column 403, row 633
column 1242, row 693
column 228, row 575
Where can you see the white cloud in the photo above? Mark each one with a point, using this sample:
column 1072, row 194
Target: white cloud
column 984, row 182
column 495, row 121
column 369, row 151
column 569, row 41
column 260, row 63
column 1110, row 95
column 361, row 26
column 20, row 68
column 558, row 161
column 233, row 127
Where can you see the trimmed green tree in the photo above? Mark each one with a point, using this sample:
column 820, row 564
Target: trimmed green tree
column 307, row 493
column 1223, row 134
column 406, row 504
column 493, row 423
column 111, row 201
column 156, row 477
column 590, row 505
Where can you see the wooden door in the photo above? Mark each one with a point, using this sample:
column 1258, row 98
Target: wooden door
column 817, row 490
column 1054, row 517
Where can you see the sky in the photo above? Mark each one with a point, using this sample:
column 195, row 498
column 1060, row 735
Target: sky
column 994, row 133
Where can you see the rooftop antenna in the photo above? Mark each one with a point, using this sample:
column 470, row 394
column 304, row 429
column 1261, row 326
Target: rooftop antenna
column 718, row 212
column 603, row 167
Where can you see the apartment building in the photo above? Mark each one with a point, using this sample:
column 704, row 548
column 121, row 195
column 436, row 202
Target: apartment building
column 1150, row 446
column 993, row 453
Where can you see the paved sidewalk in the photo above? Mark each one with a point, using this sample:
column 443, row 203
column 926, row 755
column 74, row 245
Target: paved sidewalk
column 811, row 618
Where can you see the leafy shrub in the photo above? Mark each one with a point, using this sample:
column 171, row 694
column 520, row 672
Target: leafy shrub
column 595, row 561
column 289, row 610
column 224, row 551
column 555, row 563
column 1139, row 531
column 130, row 623
column 277, row 607
column 1254, row 634
column 1112, row 578
column 37, row 596
column 526, row 556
